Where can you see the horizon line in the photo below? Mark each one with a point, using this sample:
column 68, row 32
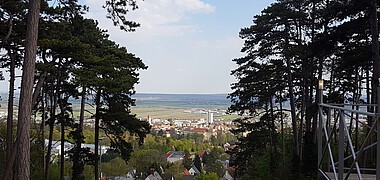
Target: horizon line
column 138, row 92
column 223, row 93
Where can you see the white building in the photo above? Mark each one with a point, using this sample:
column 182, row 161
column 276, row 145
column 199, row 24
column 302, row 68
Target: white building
column 210, row 117
column 56, row 147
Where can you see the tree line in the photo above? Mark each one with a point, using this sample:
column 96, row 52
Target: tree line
column 65, row 56
column 289, row 46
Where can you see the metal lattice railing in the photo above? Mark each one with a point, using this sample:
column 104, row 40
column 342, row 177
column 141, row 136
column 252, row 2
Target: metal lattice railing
column 333, row 124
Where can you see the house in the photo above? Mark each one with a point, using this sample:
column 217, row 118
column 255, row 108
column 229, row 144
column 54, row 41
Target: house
column 154, row 176
column 56, row 147
column 199, row 130
column 194, row 171
column 224, row 162
column 186, row 172
column 170, row 132
column 131, row 175
column 229, row 146
column 227, row 176
column 174, row 156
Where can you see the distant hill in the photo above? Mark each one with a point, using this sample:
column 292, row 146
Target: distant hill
column 183, row 100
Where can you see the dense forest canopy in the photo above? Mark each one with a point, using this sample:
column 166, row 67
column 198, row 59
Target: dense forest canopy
column 64, row 56
column 288, row 47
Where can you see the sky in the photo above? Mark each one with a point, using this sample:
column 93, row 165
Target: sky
column 188, row 45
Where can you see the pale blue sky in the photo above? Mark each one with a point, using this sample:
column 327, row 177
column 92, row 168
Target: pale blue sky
column 187, row 44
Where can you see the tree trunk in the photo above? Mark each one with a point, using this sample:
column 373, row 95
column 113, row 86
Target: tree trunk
column 375, row 49
column 97, row 119
column 296, row 154
column 77, row 161
column 282, row 136
column 82, row 108
column 25, row 104
column 53, row 105
column 273, row 146
column 43, row 124
column 62, row 121
column 9, row 140
column 62, row 161
column 291, row 97
column 357, row 108
column 368, row 92
column 38, row 88
column 10, row 105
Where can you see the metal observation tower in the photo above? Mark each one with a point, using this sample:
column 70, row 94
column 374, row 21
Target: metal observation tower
column 347, row 137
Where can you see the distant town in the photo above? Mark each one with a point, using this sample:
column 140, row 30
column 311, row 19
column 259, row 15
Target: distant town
column 207, row 123
column 174, row 127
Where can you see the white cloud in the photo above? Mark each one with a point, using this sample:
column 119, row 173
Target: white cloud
column 158, row 18
column 159, row 12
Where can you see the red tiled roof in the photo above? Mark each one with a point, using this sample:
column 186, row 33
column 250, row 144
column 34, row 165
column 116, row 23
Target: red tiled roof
column 186, row 172
column 169, row 153
column 202, row 130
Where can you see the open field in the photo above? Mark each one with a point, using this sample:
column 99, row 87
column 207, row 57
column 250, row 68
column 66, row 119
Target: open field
column 168, row 112
column 165, row 106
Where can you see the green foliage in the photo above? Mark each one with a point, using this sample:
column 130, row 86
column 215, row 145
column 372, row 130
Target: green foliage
column 261, row 168
column 109, row 155
column 89, row 172
column 156, row 142
column 176, row 169
column 217, row 167
column 183, row 145
column 79, row 156
column 54, row 171
column 72, row 51
column 213, row 140
column 115, row 167
column 37, row 158
column 86, row 50
column 117, row 9
column 116, row 120
column 213, row 156
column 288, row 47
column 208, row 176
column 187, row 162
column 255, row 145
column 198, row 138
column 145, row 159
